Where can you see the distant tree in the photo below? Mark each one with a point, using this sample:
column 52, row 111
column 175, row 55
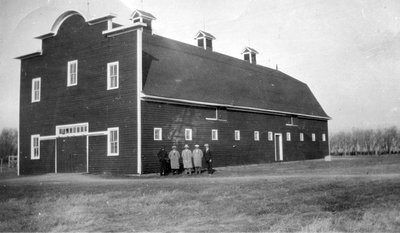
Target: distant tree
column 377, row 141
column 368, row 138
column 389, row 138
column 8, row 143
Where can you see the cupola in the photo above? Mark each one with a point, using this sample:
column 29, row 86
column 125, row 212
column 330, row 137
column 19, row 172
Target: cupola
column 204, row 40
column 249, row 55
column 139, row 16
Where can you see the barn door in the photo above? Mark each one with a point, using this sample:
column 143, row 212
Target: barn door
column 278, row 147
column 71, row 154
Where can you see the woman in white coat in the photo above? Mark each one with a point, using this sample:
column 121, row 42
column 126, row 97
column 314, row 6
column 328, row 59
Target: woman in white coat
column 197, row 159
column 174, row 157
column 187, row 160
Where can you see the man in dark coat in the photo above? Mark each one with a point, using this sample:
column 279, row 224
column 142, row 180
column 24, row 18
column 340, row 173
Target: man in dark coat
column 208, row 158
column 162, row 157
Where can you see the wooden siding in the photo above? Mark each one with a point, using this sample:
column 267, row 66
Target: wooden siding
column 88, row 101
column 173, row 119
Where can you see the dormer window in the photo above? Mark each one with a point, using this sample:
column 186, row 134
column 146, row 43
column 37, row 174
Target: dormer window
column 139, row 16
column 249, row 54
column 204, row 40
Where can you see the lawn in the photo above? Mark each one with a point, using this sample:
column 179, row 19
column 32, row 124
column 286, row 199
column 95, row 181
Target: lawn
column 357, row 194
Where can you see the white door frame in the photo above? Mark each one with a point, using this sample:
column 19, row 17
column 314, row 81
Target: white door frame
column 280, row 147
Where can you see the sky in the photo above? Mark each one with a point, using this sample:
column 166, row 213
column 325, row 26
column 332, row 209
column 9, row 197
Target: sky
column 346, row 51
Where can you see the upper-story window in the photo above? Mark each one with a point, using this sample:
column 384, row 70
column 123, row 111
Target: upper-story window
column 313, row 137
column 112, row 75
column 35, row 146
column 72, row 79
column 301, row 137
column 256, row 136
column 323, row 137
column 36, row 86
column 237, row 135
column 188, row 134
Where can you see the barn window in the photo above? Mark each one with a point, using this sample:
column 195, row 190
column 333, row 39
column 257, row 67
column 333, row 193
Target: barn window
column 157, row 134
column 288, row 137
column 256, row 136
column 113, row 141
column 72, row 130
column 323, row 137
column 237, row 135
column 188, row 134
column 313, row 137
column 112, row 75
column 214, row 134
column 270, row 136
column 302, row 137
column 36, row 86
column 35, row 146
column 72, row 79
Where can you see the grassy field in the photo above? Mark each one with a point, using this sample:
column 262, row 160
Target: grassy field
column 357, row 194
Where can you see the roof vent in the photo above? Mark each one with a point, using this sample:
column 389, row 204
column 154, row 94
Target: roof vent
column 139, row 16
column 204, row 40
column 249, row 55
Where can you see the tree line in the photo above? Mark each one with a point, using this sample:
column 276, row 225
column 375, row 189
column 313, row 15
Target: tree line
column 366, row 142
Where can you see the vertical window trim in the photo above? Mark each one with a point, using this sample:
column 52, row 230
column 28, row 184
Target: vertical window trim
column 188, row 134
column 256, row 136
column 313, row 137
column 109, row 66
column 39, row 80
column 216, row 135
column 74, row 62
column 33, row 137
column 109, row 132
column 301, row 137
column 270, row 136
column 237, row 135
column 159, row 134
column 288, row 137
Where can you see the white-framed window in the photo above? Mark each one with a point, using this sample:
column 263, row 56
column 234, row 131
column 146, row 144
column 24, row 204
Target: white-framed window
column 35, row 146
column 72, row 79
column 157, row 134
column 323, row 137
column 270, row 136
column 313, row 137
column 256, row 136
column 79, row 129
column 112, row 75
column 301, row 137
column 113, row 141
column 288, row 136
column 36, row 86
column 214, row 134
column 188, row 134
column 237, row 135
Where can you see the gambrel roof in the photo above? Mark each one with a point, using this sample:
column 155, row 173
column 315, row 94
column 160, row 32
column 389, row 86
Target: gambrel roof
column 184, row 72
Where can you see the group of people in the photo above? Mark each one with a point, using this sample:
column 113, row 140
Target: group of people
column 191, row 160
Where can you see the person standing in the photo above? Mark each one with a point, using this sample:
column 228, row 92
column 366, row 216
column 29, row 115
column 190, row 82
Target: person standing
column 208, row 158
column 197, row 159
column 162, row 157
column 187, row 160
column 174, row 157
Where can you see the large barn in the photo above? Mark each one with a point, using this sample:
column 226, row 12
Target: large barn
column 102, row 97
